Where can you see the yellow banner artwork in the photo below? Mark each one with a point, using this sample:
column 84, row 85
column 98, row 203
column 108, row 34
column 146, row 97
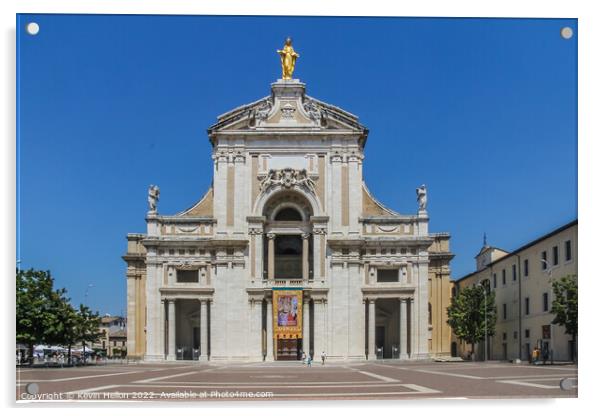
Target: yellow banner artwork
column 287, row 308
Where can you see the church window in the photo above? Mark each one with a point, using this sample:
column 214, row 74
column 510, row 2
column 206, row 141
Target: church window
column 387, row 275
column 187, row 276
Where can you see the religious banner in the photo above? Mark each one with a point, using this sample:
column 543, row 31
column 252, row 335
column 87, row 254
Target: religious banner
column 287, row 307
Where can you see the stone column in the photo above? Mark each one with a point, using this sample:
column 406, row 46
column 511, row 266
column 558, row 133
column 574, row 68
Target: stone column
column 204, row 326
column 403, row 329
column 371, row 328
column 256, row 329
column 270, row 332
column 305, row 257
column 317, row 275
column 318, row 328
column 413, row 328
column 271, row 237
column 162, row 328
column 171, row 321
column 306, row 325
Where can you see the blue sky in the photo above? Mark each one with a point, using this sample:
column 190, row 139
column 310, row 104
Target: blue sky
column 483, row 111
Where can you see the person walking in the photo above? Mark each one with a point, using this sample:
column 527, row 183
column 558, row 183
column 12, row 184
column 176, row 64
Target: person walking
column 323, row 356
column 303, row 357
column 308, row 360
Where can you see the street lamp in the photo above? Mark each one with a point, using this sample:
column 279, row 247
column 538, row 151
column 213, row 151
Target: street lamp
column 548, row 268
column 86, row 304
column 86, row 294
column 485, row 303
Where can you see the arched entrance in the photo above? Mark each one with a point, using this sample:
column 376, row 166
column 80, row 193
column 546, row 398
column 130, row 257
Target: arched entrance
column 287, row 243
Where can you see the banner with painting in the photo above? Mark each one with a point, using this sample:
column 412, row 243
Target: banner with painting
column 287, row 313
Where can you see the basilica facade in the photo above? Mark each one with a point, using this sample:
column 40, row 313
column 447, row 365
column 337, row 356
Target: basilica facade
column 287, row 252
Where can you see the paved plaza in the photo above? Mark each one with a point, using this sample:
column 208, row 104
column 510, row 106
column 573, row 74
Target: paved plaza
column 384, row 380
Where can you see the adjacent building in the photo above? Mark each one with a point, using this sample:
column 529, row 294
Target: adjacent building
column 522, row 282
column 114, row 335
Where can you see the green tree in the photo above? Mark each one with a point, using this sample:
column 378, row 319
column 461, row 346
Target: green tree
column 468, row 312
column 45, row 315
column 37, row 306
column 564, row 305
column 69, row 319
column 87, row 326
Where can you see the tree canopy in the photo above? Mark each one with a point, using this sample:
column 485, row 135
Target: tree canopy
column 470, row 309
column 564, row 306
column 45, row 315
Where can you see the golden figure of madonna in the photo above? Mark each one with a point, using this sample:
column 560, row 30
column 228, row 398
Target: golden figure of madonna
column 288, row 56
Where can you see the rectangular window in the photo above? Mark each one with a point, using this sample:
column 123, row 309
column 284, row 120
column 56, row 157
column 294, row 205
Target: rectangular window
column 555, row 255
column 515, row 334
column 514, row 272
column 544, row 260
column 187, row 276
column 545, row 302
column 568, row 253
column 494, row 280
column 527, row 306
column 387, row 275
column 504, row 311
column 504, row 336
column 504, row 277
column 526, row 267
column 527, row 333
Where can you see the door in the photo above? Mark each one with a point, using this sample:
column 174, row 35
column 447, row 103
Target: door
column 287, row 349
column 380, row 341
column 196, row 342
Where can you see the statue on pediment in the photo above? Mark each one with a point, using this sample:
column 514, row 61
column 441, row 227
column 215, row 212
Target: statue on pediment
column 153, row 197
column 421, row 197
column 288, row 57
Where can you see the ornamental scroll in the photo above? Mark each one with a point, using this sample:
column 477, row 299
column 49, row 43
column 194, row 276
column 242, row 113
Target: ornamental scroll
column 287, row 313
column 288, row 178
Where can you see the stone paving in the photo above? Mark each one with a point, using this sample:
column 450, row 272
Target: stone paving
column 384, row 380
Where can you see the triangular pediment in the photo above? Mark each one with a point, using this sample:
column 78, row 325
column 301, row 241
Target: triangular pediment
column 288, row 108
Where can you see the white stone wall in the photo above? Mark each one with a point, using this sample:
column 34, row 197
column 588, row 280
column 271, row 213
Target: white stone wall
column 339, row 294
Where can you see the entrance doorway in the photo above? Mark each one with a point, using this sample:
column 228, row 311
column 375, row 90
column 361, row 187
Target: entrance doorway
column 386, row 330
column 380, row 342
column 288, row 349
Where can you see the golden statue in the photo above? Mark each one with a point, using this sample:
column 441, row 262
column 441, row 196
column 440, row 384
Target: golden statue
column 288, row 56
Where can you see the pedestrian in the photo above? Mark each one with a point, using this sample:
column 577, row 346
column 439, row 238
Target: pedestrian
column 545, row 355
column 535, row 355
column 303, row 357
column 308, row 360
column 323, row 356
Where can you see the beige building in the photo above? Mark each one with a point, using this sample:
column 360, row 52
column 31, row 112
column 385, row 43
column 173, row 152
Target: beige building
column 522, row 282
column 114, row 335
column 287, row 251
